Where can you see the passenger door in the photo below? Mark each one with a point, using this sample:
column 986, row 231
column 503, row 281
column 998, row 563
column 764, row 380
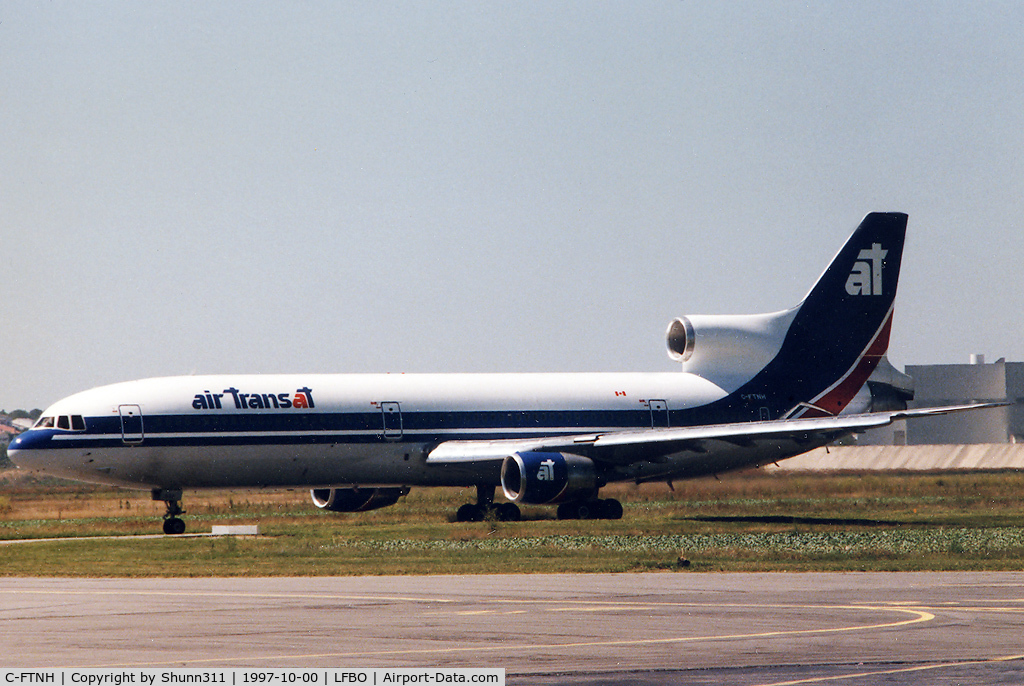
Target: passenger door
column 392, row 416
column 131, row 424
column 659, row 413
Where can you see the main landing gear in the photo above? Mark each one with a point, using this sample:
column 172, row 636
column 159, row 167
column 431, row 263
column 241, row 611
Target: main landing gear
column 509, row 512
column 173, row 525
column 591, row 509
column 505, row 512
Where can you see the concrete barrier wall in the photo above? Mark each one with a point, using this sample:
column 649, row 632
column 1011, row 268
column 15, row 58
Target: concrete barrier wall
column 912, row 457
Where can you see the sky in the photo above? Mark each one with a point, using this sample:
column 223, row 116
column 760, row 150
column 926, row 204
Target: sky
column 250, row 187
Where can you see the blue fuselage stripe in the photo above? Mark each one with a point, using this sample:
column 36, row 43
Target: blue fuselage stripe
column 341, row 427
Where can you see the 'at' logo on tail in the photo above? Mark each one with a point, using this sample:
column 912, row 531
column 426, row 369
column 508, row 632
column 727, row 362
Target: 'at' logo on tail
column 866, row 277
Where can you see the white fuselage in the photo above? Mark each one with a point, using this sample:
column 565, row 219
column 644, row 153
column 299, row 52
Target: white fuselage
column 338, row 429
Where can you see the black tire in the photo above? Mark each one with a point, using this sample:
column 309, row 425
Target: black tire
column 469, row 513
column 611, row 509
column 174, row 526
column 567, row 511
column 509, row 512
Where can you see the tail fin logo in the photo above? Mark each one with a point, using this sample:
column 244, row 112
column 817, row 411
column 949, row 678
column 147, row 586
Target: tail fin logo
column 866, row 277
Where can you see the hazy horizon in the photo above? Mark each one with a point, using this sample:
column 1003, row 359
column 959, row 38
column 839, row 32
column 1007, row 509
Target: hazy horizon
column 260, row 187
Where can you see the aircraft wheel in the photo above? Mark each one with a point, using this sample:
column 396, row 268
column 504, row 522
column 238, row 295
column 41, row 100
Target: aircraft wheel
column 611, row 509
column 470, row 513
column 579, row 509
column 174, row 526
column 591, row 509
column 508, row 512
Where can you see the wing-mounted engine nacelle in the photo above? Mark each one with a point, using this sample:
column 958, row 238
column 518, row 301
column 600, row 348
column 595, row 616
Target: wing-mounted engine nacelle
column 728, row 349
column 542, row 478
column 355, row 499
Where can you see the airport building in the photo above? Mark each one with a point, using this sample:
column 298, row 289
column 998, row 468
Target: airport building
column 956, row 384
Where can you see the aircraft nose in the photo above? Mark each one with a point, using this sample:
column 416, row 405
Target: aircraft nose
column 21, row 448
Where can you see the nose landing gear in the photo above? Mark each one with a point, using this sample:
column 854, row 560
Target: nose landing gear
column 173, row 525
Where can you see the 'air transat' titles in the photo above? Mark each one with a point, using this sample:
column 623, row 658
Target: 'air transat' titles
column 301, row 399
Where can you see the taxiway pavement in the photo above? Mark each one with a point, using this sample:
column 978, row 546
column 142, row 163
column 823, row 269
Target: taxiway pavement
column 543, row 629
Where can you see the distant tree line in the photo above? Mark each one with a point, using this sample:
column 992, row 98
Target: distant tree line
column 16, row 414
column 23, row 414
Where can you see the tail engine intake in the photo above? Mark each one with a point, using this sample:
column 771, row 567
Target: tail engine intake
column 727, row 349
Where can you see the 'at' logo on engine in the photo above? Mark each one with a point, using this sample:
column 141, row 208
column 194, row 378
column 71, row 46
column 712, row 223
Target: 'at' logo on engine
column 546, row 472
column 866, row 277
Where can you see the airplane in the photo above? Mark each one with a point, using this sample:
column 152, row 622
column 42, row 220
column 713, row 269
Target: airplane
column 753, row 390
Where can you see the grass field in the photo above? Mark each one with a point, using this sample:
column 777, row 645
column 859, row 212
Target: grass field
column 753, row 521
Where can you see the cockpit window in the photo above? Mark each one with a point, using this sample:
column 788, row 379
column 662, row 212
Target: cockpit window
column 74, row 422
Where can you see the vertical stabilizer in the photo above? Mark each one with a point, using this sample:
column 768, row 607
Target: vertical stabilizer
column 841, row 329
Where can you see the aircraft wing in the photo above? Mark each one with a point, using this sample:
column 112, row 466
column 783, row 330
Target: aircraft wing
column 651, row 445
